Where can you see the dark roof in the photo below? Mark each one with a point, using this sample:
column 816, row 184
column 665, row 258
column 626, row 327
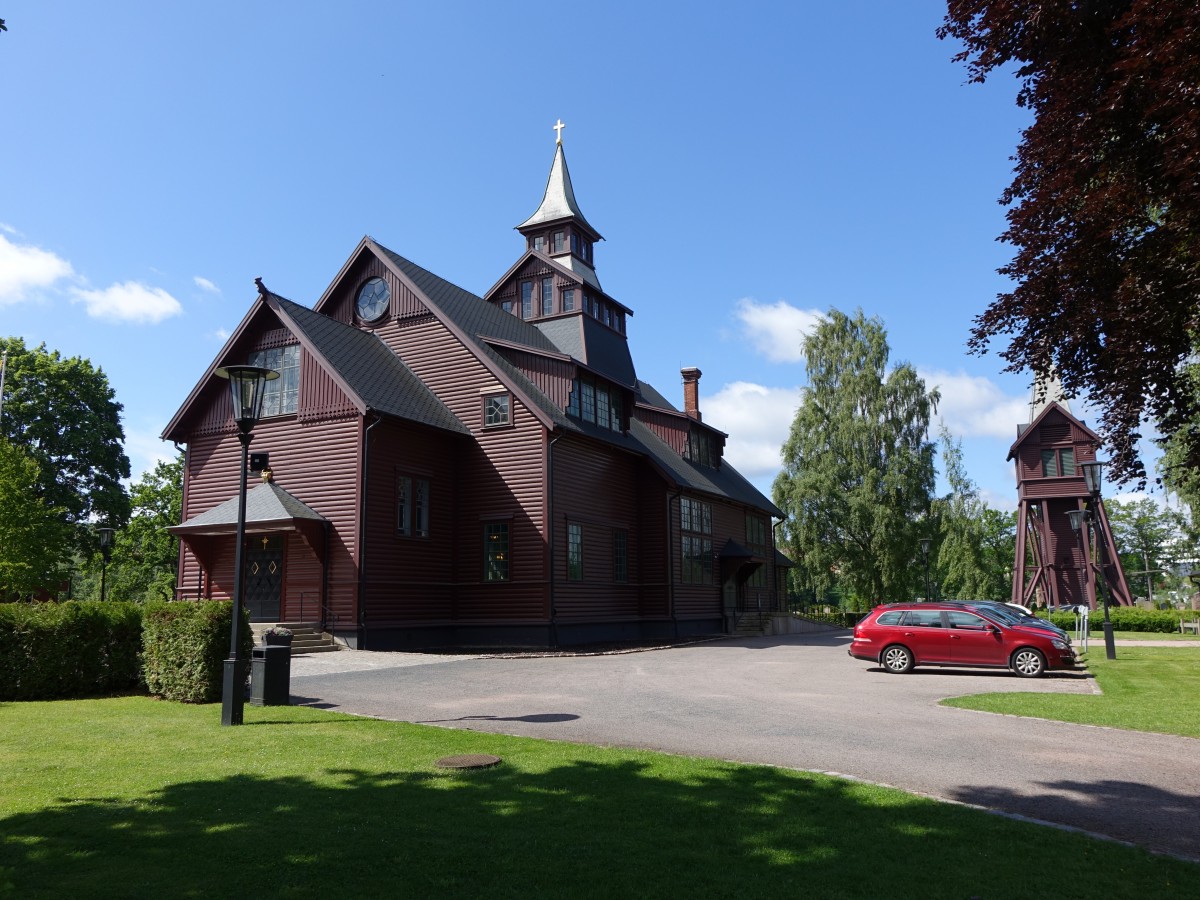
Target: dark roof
column 723, row 481
column 477, row 321
column 368, row 368
column 594, row 344
column 652, row 397
column 266, row 503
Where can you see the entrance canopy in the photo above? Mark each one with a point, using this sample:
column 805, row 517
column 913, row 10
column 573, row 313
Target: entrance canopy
column 269, row 508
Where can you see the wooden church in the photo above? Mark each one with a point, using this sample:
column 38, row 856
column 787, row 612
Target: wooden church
column 1055, row 564
column 454, row 469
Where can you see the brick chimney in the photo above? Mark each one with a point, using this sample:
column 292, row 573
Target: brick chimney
column 691, row 392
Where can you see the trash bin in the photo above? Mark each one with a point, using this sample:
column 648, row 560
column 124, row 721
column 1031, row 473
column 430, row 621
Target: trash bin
column 270, row 675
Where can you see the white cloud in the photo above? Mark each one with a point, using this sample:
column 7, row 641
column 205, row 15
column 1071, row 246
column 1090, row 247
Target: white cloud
column 205, row 285
column 24, row 267
column 4, row 226
column 973, row 406
column 221, row 334
column 129, row 302
column 757, row 420
column 776, row 330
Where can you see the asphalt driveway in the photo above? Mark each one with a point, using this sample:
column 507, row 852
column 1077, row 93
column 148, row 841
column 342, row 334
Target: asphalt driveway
column 798, row 701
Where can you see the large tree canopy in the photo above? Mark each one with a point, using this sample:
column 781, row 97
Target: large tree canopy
column 1105, row 201
column 62, row 414
column 857, row 467
column 33, row 534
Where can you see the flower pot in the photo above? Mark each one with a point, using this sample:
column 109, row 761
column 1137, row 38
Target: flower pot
column 277, row 640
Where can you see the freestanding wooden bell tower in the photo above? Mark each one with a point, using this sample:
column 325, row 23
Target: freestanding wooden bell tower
column 1056, row 564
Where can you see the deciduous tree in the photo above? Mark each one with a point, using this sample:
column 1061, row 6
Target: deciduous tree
column 1148, row 538
column 857, row 467
column 62, row 413
column 1105, row 203
column 34, row 536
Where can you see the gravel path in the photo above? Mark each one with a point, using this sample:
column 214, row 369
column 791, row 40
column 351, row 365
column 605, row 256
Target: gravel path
column 799, row 701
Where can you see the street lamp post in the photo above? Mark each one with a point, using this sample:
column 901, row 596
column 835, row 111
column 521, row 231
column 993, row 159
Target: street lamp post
column 106, row 539
column 925, row 545
column 1092, row 477
column 247, row 385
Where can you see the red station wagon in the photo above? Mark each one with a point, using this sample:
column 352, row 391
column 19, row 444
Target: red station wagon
column 899, row 636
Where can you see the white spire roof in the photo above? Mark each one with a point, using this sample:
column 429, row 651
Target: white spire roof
column 559, row 199
column 1047, row 389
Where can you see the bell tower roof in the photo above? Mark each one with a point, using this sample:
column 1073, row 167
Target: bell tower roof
column 558, row 203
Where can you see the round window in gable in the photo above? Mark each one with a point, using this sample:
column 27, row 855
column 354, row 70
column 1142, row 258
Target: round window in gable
column 372, row 300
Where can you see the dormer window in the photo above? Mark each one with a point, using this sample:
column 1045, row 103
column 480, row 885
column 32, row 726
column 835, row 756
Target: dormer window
column 539, row 243
column 568, row 302
column 559, row 242
column 575, row 243
column 595, row 401
column 702, row 448
column 547, row 296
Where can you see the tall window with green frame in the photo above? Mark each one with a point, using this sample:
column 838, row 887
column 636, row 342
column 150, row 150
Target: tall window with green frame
column 495, row 551
column 695, row 525
column 574, row 551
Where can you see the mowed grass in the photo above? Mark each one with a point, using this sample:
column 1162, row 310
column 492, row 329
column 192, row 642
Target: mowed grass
column 1144, row 689
column 131, row 797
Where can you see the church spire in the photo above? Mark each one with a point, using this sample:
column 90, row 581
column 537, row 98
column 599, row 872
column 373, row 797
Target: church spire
column 558, row 203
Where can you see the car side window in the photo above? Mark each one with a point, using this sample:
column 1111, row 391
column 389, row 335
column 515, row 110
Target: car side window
column 927, row 618
column 966, row 621
column 889, row 618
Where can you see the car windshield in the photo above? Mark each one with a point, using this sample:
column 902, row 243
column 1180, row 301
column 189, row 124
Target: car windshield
column 1003, row 613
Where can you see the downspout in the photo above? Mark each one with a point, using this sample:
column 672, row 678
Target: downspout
column 550, row 535
column 671, row 544
column 362, row 535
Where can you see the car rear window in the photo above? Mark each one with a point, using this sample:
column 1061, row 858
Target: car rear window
column 889, row 618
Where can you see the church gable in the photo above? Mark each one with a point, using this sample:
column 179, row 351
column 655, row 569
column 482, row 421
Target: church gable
column 366, row 293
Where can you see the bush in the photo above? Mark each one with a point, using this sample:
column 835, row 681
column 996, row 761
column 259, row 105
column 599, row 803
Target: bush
column 185, row 645
column 1127, row 618
column 76, row 649
column 838, row 617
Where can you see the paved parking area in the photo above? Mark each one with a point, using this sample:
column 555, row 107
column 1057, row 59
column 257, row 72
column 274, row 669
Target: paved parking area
column 798, row 701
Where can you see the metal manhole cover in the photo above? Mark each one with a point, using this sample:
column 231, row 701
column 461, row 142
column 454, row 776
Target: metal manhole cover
column 468, row 761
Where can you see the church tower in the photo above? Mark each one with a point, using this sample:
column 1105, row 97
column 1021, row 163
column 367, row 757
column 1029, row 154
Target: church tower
column 554, row 287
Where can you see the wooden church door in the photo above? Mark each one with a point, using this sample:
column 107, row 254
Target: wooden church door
column 264, row 577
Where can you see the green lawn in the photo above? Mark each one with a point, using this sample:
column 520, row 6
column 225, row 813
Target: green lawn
column 1144, row 688
column 131, row 797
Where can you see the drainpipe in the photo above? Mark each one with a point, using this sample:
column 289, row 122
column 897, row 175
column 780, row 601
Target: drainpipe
column 362, row 536
column 550, row 535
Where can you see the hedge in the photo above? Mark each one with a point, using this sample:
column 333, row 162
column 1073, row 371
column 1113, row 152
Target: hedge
column 185, row 645
column 77, row 649
column 1129, row 618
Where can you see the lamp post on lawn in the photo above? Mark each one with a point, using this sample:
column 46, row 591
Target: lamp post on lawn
column 247, row 385
column 925, row 545
column 1091, row 476
column 106, row 539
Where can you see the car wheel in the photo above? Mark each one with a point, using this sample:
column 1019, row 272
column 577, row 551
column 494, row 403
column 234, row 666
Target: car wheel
column 897, row 659
column 1028, row 663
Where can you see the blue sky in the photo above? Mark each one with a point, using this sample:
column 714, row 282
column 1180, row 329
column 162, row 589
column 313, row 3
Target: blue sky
column 748, row 166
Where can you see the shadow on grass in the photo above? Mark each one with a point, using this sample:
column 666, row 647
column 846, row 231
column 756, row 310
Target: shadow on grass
column 578, row 828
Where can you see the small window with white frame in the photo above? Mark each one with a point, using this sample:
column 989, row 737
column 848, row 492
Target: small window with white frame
column 497, row 410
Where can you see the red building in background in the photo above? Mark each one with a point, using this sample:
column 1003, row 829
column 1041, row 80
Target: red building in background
column 1056, row 565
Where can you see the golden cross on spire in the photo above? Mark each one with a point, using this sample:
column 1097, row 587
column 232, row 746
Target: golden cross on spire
column 558, row 127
